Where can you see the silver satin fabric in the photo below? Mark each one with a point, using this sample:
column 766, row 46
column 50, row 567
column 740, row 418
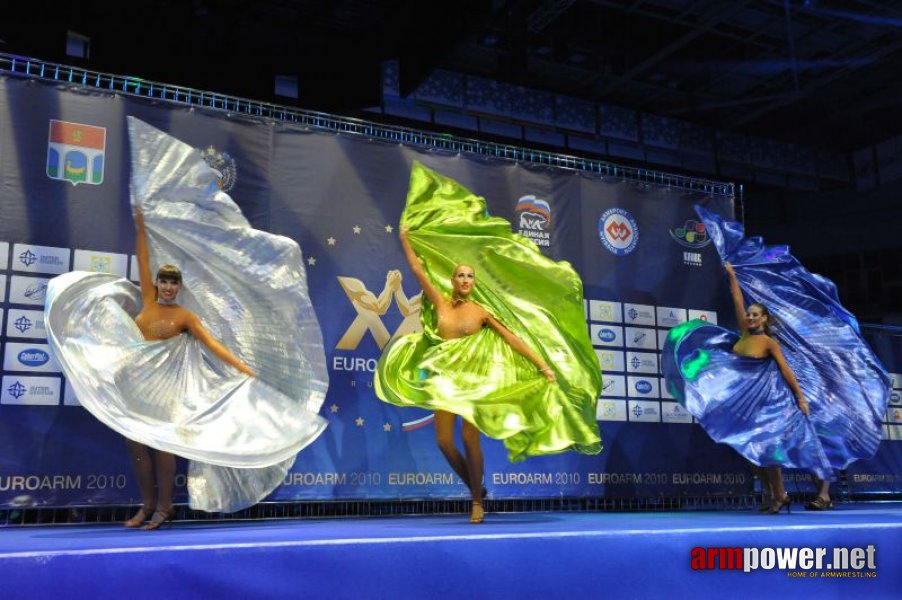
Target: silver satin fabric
column 248, row 287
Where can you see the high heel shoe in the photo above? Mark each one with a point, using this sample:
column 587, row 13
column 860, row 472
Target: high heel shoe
column 778, row 505
column 159, row 517
column 477, row 514
column 819, row 504
column 139, row 517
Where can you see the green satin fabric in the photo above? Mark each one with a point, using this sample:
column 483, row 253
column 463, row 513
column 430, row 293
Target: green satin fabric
column 480, row 377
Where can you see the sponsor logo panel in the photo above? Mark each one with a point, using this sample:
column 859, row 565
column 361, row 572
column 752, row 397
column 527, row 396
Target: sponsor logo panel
column 691, row 234
column 29, row 357
column 610, row 360
column 2, row 288
column 705, row 315
column 27, row 290
column 603, row 310
column 534, row 219
column 133, row 273
column 670, row 316
column 611, row 410
column 618, row 231
column 100, row 262
column 4, row 255
column 642, row 387
column 662, row 337
column 639, row 314
column 892, row 432
column 672, row 412
column 606, row 335
column 665, row 392
column 895, row 397
column 641, row 362
column 644, row 411
column 25, row 324
column 69, row 398
column 75, row 152
column 613, row 386
column 692, row 259
column 897, row 380
column 32, row 391
column 639, row 337
column 893, row 415
column 40, row 259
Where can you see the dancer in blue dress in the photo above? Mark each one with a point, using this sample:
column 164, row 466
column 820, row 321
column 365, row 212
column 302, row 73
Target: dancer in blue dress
column 756, row 406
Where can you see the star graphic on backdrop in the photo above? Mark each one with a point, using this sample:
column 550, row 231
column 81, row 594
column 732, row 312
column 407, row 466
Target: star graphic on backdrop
column 333, row 408
column 330, row 240
column 356, row 229
column 386, row 427
column 311, row 261
column 389, row 229
column 359, row 421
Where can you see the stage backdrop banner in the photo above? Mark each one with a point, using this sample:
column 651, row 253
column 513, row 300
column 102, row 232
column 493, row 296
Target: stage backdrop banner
column 646, row 263
column 883, row 473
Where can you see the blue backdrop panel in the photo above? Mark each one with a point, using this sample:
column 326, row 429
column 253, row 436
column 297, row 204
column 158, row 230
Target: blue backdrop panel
column 646, row 266
column 883, row 473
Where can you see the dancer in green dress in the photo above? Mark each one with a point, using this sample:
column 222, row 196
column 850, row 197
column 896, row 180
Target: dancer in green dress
column 511, row 355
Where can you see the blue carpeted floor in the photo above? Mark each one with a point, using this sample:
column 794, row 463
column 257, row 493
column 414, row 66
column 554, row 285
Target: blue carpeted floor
column 526, row 555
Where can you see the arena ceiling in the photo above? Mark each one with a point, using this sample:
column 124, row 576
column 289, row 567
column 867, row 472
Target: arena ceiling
column 815, row 72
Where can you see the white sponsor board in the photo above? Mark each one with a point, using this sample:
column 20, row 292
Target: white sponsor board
column 23, row 356
column 610, row 360
column 639, row 314
column 4, row 255
column 642, row 387
column 610, row 410
column 644, row 411
column 133, row 273
column 897, row 380
column 23, row 323
column 641, row 362
column 671, row 412
column 665, row 393
column 662, row 336
column 69, row 398
column 31, row 391
column 639, row 337
column 603, row 310
column 27, row 290
column 40, row 259
column 670, row 317
column 606, row 335
column 613, row 386
column 705, row 315
column 100, row 262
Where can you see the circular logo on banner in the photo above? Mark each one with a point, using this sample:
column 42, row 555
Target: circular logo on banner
column 618, row 231
column 223, row 164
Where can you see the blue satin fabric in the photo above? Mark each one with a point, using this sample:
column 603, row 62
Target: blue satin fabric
column 844, row 382
column 740, row 401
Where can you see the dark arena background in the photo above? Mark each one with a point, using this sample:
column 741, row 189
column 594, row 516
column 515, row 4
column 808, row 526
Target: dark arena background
column 783, row 115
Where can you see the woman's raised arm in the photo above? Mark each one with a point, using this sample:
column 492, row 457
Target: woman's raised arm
column 433, row 294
